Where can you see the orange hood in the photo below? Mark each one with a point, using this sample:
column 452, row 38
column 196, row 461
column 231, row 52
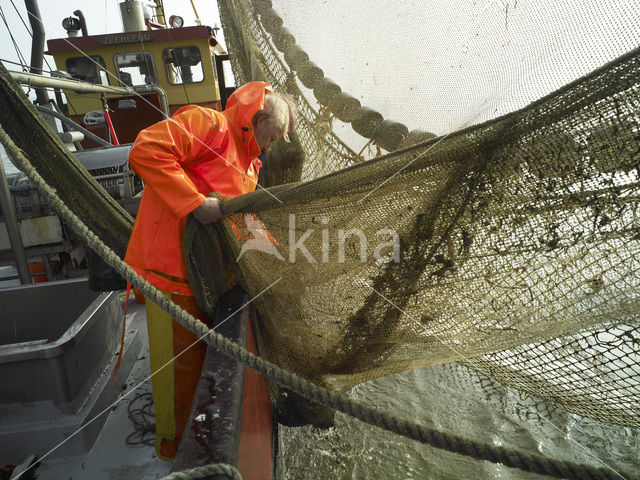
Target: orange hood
column 242, row 105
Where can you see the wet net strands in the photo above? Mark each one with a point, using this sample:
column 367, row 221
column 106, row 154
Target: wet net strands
column 519, row 245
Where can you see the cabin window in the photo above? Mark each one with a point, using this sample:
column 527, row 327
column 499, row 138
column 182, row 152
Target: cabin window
column 136, row 69
column 89, row 69
column 183, row 65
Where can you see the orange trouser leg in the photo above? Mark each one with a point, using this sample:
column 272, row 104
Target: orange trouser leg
column 176, row 358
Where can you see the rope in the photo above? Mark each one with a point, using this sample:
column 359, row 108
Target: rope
column 143, row 420
column 13, row 40
column 452, row 443
column 205, row 472
column 22, row 19
column 382, row 130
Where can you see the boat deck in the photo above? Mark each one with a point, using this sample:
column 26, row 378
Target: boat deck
column 111, row 457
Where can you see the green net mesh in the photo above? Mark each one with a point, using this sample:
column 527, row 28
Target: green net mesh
column 511, row 246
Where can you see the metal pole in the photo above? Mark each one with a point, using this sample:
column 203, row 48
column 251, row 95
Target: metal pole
column 10, row 220
column 54, row 82
column 33, row 80
column 37, row 47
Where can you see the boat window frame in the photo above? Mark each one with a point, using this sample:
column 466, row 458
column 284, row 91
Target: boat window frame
column 93, row 59
column 136, row 52
column 166, row 65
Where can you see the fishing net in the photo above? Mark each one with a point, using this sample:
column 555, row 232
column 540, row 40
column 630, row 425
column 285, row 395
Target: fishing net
column 73, row 183
column 510, row 246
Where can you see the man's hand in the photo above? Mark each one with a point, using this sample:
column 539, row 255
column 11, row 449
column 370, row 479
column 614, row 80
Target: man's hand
column 209, row 211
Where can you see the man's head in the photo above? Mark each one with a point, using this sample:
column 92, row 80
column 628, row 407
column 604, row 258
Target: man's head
column 275, row 121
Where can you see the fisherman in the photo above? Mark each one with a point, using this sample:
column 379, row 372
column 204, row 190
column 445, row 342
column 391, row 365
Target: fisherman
column 182, row 159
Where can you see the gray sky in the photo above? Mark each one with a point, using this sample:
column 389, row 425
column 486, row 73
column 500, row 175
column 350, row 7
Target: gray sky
column 436, row 65
column 440, row 65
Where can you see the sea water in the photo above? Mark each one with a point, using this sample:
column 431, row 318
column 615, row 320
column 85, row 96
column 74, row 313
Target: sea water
column 453, row 399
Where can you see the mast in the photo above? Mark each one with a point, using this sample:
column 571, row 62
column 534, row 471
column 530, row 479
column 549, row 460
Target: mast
column 37, row 47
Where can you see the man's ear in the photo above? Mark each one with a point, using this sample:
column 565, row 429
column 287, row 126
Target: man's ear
column 257, row 118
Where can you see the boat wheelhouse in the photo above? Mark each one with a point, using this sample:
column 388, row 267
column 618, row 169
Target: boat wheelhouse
column 164, row 68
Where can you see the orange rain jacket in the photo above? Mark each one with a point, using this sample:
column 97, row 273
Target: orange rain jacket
column 182, row 159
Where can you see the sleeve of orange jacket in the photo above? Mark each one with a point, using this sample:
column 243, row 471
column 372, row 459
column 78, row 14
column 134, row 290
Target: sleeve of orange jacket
column 161, row 150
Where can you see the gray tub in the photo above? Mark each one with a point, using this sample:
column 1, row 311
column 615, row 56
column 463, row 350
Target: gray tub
column 58, row 342
column 53, row 336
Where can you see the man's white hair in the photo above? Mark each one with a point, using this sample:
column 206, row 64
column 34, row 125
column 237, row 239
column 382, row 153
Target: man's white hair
column 280, row 112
